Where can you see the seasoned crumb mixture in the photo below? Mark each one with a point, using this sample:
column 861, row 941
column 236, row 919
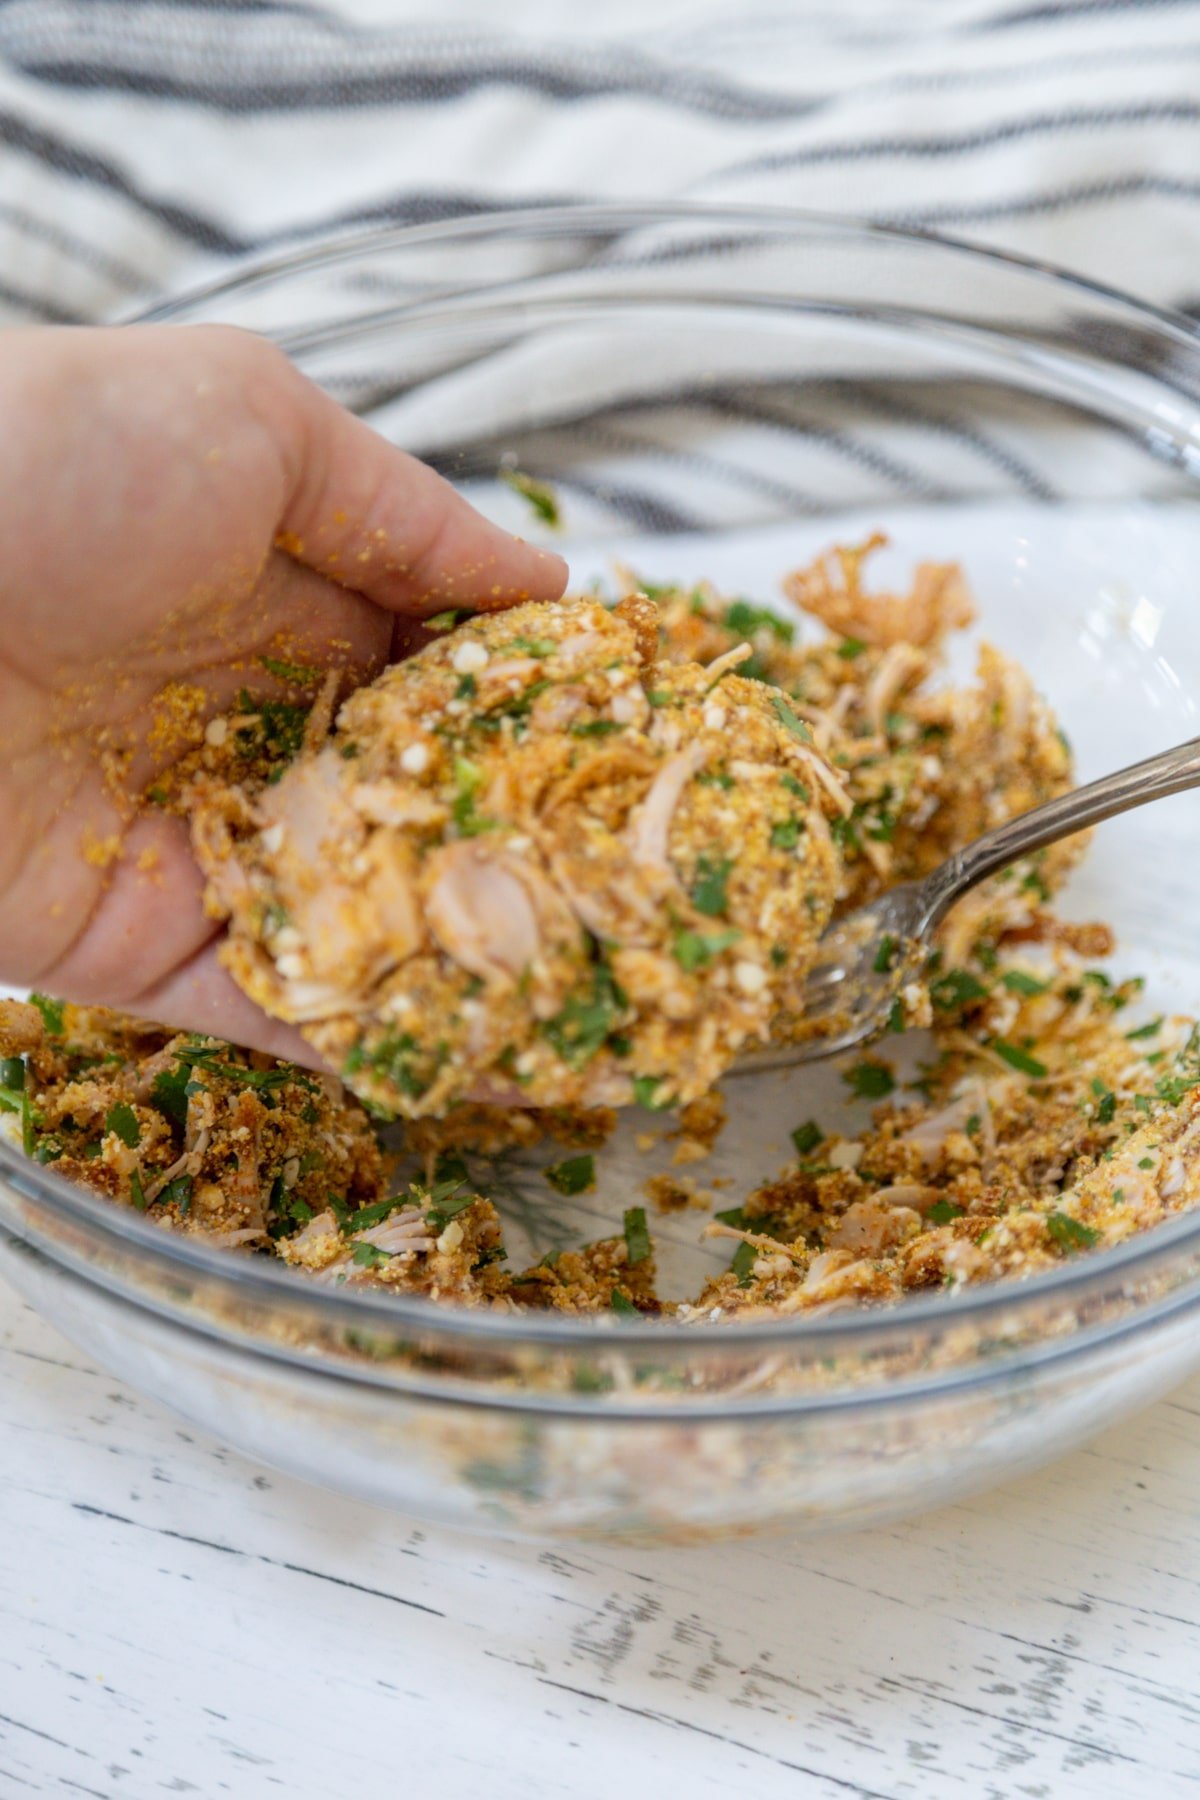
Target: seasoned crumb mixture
column 532, row 856
column 576, row 773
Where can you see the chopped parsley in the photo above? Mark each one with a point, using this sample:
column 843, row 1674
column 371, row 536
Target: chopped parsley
column 1070, row 1234
column 942, row 1211
column 622, row 1305
column 1018, row 1059
column 786, row 835
column 695, row 950
column 51, row 1011
column 1107, row 1101
column 1150, row 1029
column 468, row 777
column 957, row 987
column 393, row 1059
column 533, row 646
column 744, row 1259
column 885, row 954
column 369, row 1256
column 806, row 1137
column 540, row 495
column 298, row 674
column 850, row 647
column 280, row 730
column 169, row 1092
column 717, row 778
column 637, row 1237
column 579, row 1030
column 645, row 1092
column 796, row 787
column 708, row 889
column 747, row 619
column 178, row 1193
column 122, row 1119
column 586, row 728
column 870, row 1081
column 1017, row 982
column 789, row 720
column 574, row 1176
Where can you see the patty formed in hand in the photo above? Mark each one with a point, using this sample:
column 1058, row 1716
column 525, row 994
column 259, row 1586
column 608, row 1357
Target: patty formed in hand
column 531, row 858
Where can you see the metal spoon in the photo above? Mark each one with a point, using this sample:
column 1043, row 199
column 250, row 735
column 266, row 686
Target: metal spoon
column 852, row 986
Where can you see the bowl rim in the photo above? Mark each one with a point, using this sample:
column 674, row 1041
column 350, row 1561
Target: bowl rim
column 312, row 252
column 274, row 1286
column 265, row 1282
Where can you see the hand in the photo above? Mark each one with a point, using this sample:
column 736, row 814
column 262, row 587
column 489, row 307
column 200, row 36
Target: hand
column 174, row 504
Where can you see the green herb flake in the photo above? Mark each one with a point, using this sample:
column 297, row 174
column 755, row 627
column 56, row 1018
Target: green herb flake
column 297, row 674
column 574, row 1176
column 12, row 1074
column 747, row 620
column 850, row 647
column 717, row 778
column 446, row 621
column 1018, row 1059
column 637, row 1237
column 789, row 720
column 708, row 889
column 870, row 1081
column 744, row 1259
column 540, row 495
column 1107, row 1101
column 178, row 1193
column 137, row 1191
column 956, row 988
column 943, row 1211
column 579, row 1030
column 885, row 954
column 622, row 1305
column 796, row 787
column 787, row 833
column 1017, row 982
column 51, row 1011
column 806, row 1137
column 122, row 1119
column 1150, row 1029
column 1146, row 1162
column 695, row 950
column 594, row 728
column 1070, row 1234
column 369, row 1256
column 645, row 1092
column 168, row 1092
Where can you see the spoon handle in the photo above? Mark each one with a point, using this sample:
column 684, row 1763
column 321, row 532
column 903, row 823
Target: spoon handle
column 1170, row 772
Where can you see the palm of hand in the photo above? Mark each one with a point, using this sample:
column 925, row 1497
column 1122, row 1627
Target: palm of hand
column 152, row 477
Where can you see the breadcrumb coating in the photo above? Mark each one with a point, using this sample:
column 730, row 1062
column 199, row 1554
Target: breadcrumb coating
column 530, row 857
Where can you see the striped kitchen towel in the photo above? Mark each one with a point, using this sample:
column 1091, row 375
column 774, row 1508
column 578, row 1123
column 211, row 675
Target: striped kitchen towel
column 145, row 144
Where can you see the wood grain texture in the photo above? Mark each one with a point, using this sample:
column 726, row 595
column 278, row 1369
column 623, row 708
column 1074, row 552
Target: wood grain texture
column 174, row 1620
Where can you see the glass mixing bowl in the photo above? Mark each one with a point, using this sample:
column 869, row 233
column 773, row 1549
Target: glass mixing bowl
column 721, row 391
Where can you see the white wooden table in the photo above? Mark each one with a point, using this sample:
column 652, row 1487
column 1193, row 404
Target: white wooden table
column 174, row 1620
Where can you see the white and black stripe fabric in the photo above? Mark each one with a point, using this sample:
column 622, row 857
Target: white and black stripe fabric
column 148, row 144
column 144, row 143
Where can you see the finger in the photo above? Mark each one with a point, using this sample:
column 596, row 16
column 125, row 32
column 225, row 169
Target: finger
column 202, row 996
column 377, row 520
